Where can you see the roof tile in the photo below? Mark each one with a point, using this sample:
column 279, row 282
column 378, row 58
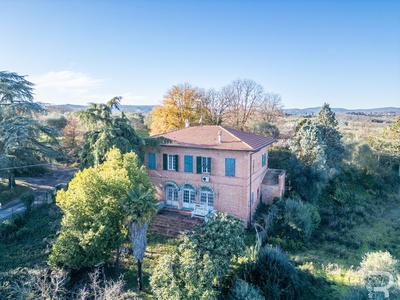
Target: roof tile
column 206, row 137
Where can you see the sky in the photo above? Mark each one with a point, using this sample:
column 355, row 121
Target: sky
column 342, row 52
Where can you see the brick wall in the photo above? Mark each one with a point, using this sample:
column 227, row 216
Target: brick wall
column 231, row 194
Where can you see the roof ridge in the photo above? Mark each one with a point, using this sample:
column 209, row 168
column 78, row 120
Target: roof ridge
column 240, row 140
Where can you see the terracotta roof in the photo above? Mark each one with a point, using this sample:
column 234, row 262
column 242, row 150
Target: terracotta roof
column 207, row 137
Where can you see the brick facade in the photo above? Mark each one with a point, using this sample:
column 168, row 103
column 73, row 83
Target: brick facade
column 238, row 195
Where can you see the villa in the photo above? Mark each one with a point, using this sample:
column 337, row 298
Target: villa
column 207, row 168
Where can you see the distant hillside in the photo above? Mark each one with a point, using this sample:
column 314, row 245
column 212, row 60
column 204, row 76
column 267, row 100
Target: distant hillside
column 73, row 107
column 314, row 110
column 291, row 111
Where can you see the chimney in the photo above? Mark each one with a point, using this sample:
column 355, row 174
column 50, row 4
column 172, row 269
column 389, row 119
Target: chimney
column 187, row 123
column 219, row 137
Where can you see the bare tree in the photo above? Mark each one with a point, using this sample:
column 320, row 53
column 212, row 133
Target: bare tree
column 217, row 103
column 271, row 107
column 245, row 96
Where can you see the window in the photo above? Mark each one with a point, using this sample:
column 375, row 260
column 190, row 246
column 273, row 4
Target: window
column 151, row 160
column 230, row 167
column 188, row 163
column 203, row 164
column 170, row 162
column 207, row 196
column 264, row 159
column 189, row 194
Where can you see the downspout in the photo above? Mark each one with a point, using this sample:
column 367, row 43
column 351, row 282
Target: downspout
column 251, row 172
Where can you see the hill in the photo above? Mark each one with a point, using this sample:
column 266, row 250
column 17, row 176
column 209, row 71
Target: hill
column 314, row 110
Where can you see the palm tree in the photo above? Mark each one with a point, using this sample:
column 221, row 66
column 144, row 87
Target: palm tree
column 139, row 207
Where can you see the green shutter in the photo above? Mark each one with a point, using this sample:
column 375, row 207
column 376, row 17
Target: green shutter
column 176, row 162
column 209, row 162
column 165, row 161
column 198, row 164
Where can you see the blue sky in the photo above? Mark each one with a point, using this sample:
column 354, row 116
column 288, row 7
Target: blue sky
column 346, row 53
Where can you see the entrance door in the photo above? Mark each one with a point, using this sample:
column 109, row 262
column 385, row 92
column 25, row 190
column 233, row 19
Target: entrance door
column 188, row 198
column 171, row 195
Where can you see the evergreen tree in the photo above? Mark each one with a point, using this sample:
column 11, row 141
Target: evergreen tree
column 24, row 140
column 107, row 132
column 318, row 143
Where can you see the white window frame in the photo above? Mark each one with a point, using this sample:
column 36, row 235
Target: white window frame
column 171, row 162
column 205, row 164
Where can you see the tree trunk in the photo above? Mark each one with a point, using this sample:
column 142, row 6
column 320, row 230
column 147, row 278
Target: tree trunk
column 11, row 181
column 220, row 280
column 138, row 238
column 117, row 255
column 139, row 278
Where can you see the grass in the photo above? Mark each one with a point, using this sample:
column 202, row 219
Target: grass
column 157, row 247
column 26, row 239
column 6, row 195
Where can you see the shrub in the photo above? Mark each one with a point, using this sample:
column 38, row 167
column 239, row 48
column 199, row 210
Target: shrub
column 245, row 291
column 28, row 200
column 296, row 220
column 382, row 262
column 273, row 273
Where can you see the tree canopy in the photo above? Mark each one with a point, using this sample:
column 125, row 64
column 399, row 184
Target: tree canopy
column 317, row 143
column 24, row 141
column 106, row 132
column 96, row 208
column 181, row 102
column 204, row 255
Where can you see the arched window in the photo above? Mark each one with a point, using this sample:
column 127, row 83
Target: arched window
column 171, row 193
column 207, row 195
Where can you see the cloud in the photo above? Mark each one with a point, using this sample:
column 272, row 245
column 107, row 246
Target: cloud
column 61, row 86
column 64, row 87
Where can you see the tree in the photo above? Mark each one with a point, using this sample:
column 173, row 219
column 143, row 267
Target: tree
column 217, row 103
column 388, row 143
column 273, row 273
column 266, row 129
column 72, row 139
column 107, row 132
column 334, row 149
column 139, row 208
column 23, row 140
column 245, row 96
column 221, row 238
column 271, row 108
column 204, row 255
column 94, row 210
column 318, row 143
column 181, row 103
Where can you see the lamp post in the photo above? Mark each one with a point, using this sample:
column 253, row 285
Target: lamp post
column 201, row 110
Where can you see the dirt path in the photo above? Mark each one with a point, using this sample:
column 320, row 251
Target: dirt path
column 47, row 182
column 39, row 186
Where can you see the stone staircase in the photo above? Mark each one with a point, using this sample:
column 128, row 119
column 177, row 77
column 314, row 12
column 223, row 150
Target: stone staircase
column 173, row 223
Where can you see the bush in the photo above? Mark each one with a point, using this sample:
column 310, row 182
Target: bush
column 381, row 262
column 28, row 200
column 245, row 291
column 273, row 273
